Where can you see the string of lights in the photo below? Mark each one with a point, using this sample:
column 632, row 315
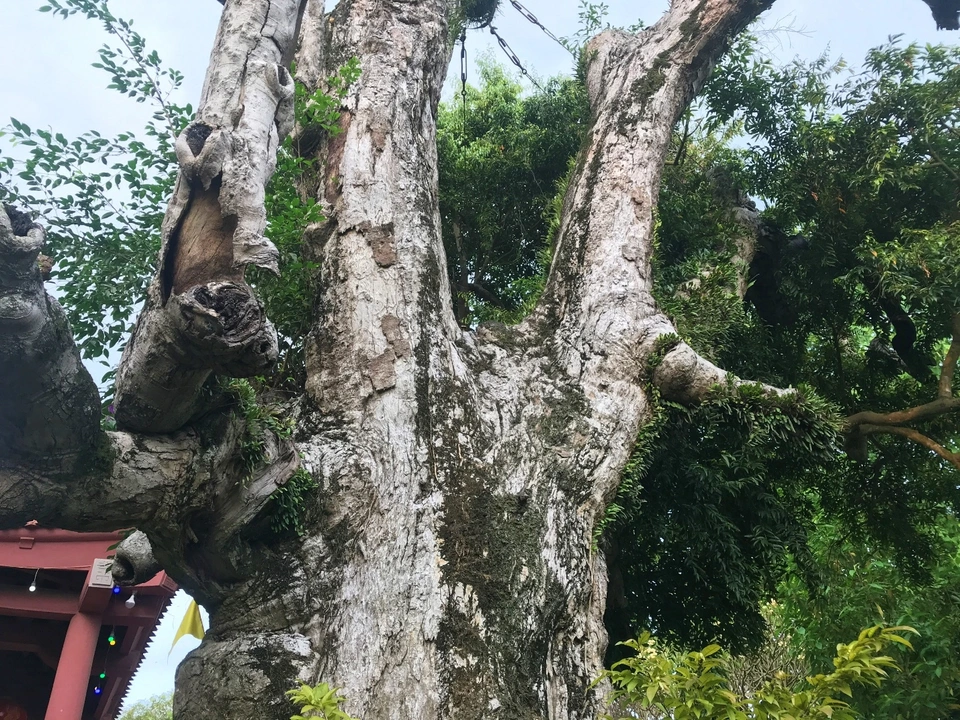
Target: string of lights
column 102, row 677
column 129, row 603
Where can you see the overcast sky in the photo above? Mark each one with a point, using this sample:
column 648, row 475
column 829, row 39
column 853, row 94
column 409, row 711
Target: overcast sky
column 48, row 82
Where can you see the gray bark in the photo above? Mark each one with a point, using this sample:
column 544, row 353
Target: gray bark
column 200, row 316
column 451, row 572
column 134, row 562
column 50, row 408
column 449, row 568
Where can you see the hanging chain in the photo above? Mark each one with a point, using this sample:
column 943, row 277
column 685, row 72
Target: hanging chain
column 533, row 18
column 463, row 81
column 513, row 58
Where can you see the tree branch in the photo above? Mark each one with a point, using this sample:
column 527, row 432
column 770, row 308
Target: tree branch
column 917, row 437
column 181, row 490
column 49, row 404
column 940, row 406
column 200, row 316
column 483, row 293
column 858, row 425
column 125, row 484
column 684, row 376
column 949, row 367
column 598, row 295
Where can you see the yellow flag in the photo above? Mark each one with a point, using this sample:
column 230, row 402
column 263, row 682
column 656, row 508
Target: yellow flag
column 190, row 625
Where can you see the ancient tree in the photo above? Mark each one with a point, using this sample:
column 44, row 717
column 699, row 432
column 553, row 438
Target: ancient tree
column 449, row 567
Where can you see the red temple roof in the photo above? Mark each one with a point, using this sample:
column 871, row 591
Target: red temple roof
column 55, row 641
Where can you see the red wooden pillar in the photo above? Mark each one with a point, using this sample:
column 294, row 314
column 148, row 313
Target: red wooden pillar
column 73, row 671
column 70, row 685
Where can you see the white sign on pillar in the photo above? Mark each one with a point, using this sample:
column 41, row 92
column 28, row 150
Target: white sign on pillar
column 100, row 575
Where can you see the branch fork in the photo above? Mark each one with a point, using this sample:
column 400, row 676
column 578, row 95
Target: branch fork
column 862, row 424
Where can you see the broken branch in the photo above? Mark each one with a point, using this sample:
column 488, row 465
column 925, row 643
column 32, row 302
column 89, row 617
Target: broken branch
column 49, row 404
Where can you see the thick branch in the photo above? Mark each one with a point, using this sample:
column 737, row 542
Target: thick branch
column 380, row 253
column 598, row 295
column 219, row 327
column 49, row 405
column 917, row 437
column 134, row 562
column 483, row 293
column 685, row 377
column 200, row 316
column 190, row 492
column 125, row 484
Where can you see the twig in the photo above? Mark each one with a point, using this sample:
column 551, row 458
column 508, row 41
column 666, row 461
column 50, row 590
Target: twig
column 915, row 435
column 936, row 156
column 681, row 150
column 154, row 80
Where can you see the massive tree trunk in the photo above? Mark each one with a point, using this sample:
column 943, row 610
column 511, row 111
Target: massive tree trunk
column 449, row 568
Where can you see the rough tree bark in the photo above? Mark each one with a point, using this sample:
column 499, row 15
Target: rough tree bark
column 449, row 568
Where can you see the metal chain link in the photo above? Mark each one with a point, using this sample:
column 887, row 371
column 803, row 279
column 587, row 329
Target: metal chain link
column 513, row 58
column 533, row 18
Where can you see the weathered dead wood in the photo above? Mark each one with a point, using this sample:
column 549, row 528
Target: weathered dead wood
column 134, row 562
column 200, row 316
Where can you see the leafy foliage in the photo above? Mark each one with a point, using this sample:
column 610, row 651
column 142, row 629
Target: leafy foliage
column 859, row 585
column 863, row 170
column 713, row 499
column 321, row 701
column 866, row 170
column 501, row 163
column 258, row 419
column 159, row 707
column 290, row 503
column 852, row 294
column 289, row 297
column 688, row 686
column 101, row 197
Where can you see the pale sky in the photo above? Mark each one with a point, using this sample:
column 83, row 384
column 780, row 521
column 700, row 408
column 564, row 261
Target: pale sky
column 48, row 82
